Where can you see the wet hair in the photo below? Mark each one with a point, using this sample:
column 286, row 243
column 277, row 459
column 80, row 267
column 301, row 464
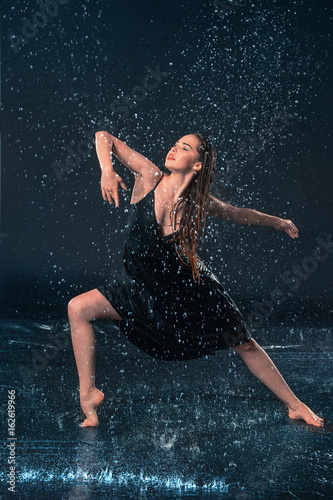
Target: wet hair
column 196, row 197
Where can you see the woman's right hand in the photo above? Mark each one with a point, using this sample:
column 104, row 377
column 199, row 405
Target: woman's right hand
column 110, row 181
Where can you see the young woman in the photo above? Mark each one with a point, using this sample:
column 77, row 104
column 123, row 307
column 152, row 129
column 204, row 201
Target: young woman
column 171, row 305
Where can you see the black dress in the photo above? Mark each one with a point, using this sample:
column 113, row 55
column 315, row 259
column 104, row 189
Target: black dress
column 165, row 312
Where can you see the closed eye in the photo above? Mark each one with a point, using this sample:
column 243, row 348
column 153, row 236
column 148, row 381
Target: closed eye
column 183, row 148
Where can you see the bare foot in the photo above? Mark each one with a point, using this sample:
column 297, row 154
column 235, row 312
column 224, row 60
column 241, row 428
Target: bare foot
column 89, row 405
column 302, row 412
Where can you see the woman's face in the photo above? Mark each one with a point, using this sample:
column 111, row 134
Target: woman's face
column 183, row 155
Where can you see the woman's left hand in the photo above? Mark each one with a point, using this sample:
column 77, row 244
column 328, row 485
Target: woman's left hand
column 287, row 226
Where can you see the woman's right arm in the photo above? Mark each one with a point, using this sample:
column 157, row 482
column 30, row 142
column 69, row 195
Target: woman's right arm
column 136, row 162
column 106, row 145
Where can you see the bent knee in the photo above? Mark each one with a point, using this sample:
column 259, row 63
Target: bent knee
column 77, row 308
column 246, row 346
column 74, row 306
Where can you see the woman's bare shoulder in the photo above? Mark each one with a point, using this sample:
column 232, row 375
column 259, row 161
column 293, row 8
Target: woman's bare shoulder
column 144, row 184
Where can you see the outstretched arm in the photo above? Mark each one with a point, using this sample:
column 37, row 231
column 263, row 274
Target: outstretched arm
column 224, row 211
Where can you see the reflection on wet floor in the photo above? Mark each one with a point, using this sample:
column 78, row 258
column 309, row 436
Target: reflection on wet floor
column 197, row 429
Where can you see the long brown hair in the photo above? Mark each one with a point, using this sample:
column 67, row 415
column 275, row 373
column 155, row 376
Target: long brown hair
column 194, row 204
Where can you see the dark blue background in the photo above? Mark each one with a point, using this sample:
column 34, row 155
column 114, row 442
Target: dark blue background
column 226, row 73
column 199, row 429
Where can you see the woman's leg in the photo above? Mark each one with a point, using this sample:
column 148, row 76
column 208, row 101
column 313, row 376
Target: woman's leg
column 81, row 311
column 261, row 365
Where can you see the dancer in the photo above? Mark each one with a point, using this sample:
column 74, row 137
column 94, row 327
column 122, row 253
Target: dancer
column 170, row 304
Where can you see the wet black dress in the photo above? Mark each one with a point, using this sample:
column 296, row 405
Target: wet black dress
column 165, row 312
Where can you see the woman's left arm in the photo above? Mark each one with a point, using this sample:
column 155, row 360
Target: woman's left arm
column 217, row 208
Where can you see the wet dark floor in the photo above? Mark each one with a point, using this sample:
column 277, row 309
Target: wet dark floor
column 168, row 430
